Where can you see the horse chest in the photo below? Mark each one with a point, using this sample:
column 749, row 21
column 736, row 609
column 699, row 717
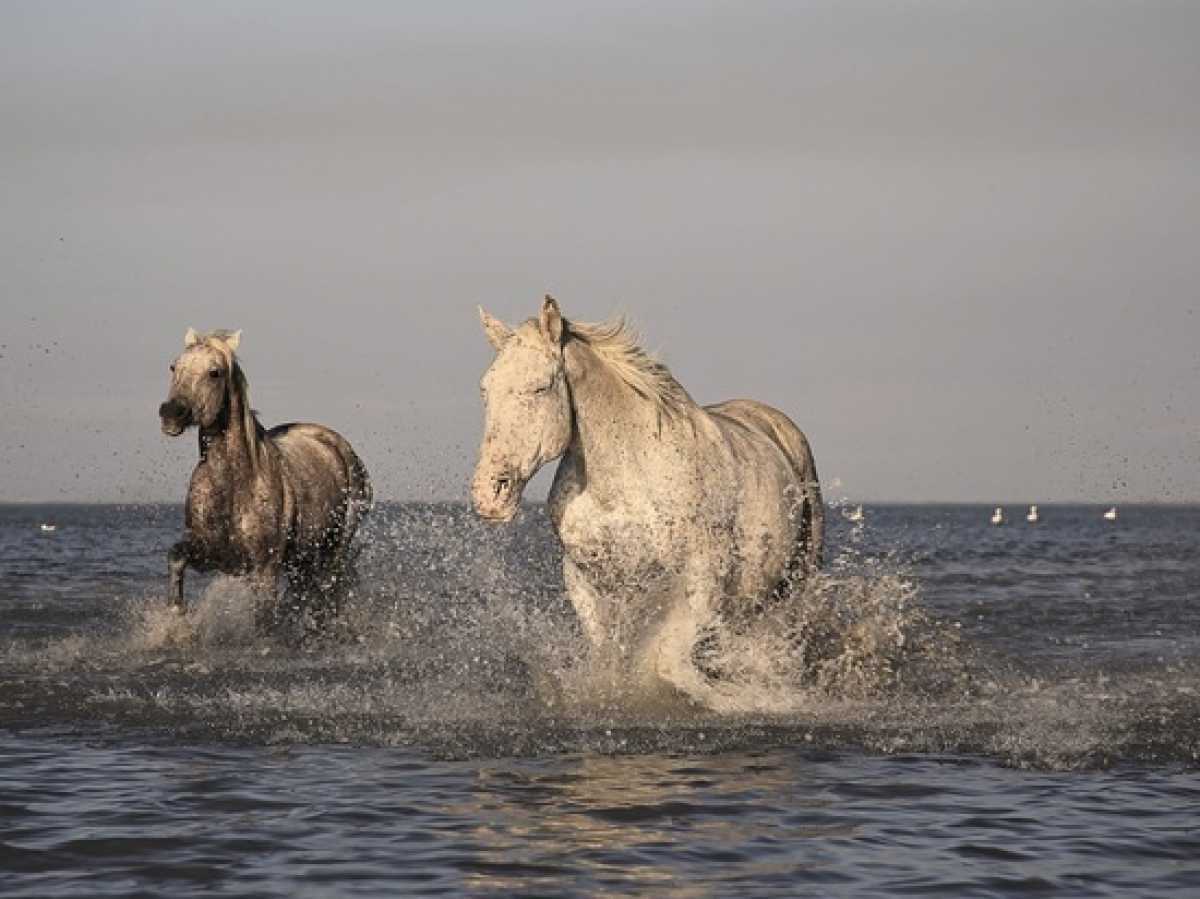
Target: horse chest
column 613, row 547
column 233, row 528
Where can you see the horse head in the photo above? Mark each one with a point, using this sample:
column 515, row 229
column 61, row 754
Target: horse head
column 200, row 380
column 527, row 409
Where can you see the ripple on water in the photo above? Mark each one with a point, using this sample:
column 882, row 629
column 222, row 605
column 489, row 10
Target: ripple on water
column 143, row 751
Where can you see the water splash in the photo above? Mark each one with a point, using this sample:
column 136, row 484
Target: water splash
column 458, row 639
column 222, row 616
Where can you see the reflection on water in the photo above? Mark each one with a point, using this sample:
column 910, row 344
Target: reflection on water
column 721, row 813
column 115, row 820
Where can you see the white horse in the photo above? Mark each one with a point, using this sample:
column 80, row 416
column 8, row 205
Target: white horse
column 666, row 510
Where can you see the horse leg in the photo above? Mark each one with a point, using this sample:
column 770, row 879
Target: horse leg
column 339, row 575
column 264, row 583
column 669, row 652
column 588, row 605
column 311, row 600
column 177, row 560
column 315, row 598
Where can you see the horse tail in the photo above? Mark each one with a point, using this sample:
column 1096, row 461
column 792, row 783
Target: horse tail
column 810, row 538
column 360, row 493
column 813, row 518
column 360, row 496
column 359, row 499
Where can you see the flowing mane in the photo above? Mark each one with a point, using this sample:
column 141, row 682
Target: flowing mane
column 252, row 429
column 616, row 344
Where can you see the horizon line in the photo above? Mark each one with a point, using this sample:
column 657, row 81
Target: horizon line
column 541, row 502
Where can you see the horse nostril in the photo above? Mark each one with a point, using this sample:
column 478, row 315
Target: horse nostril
column 172, row 409
column 501, row 485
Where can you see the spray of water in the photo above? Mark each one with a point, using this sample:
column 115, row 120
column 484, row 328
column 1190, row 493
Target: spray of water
column 459, row 640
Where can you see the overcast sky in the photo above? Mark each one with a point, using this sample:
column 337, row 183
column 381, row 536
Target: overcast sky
column 959, row 243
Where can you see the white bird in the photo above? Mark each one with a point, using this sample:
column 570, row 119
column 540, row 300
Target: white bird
column 1111, row 514
column 1032, row 517
column 49, row 528
column 998, row 516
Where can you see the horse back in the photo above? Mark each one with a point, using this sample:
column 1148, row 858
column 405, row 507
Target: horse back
column 781, row 430
column 327, row 480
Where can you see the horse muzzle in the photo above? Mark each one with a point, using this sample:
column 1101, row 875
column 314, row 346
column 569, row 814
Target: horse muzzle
column 497, row 498
column 175, row 417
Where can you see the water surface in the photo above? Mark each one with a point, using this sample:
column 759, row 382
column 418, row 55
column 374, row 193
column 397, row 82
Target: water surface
column 977, row 711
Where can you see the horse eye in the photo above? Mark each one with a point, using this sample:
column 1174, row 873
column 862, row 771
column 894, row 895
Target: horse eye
column 214, row 373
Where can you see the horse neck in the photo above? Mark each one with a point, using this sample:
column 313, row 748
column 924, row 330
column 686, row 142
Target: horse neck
column 225, row 443
column 616, row 434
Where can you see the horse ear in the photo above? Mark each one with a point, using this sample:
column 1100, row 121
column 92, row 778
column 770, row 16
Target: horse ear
column 191, row 338
column 497, row 332
column 232, row 340
column 551, row 321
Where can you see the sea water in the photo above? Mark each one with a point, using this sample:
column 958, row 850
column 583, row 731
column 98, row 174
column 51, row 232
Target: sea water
column 951, row 709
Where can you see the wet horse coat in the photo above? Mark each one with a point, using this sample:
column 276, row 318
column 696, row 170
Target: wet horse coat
column 261, row 503
column 667, row 511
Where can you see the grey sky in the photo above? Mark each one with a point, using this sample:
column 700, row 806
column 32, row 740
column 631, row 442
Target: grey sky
column 956, row 242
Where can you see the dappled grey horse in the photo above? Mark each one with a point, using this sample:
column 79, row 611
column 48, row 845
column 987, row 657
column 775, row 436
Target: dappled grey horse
column 261, row 503
column 667, row 511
